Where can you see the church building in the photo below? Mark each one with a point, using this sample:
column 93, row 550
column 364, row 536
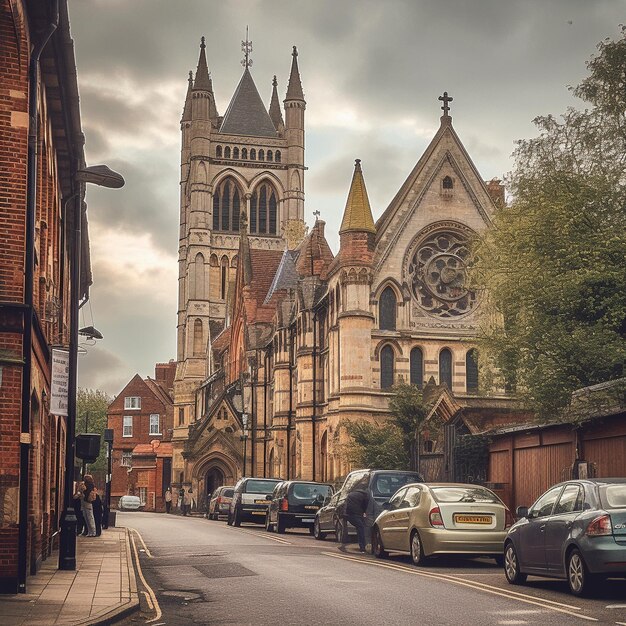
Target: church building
column 280, row 342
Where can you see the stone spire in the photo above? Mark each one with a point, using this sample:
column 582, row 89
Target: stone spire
column 187, row 110
column 357, row 216
column 294, row 89
column 203, row 80
column 275, row 113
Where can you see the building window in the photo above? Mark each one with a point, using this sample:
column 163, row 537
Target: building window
column 132, row 402
column 181, row 416
column 218, row 152
column 227, row 152
column 198, row 342
column 417, row 367
column 143, row 495
column 155, row 424
column 445, row 368
column 128, row 426
column 447, row 183
column 386, row 367
column 235, row 153
column 471, row 370
column 261, row 155
column 387, row 309
column 226, row 206
column 244, row 153
column 277, row 156
column 270, row 155
column 224, row 277
column 126, row 459
column 263, row 210
column 252, row 154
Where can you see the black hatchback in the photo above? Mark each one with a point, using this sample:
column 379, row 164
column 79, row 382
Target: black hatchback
column 294, row 503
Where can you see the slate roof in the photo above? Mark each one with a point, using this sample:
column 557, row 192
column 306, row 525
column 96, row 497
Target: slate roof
column 222, row 341
column 263, row 266
column 246, row 114
column 286, row 276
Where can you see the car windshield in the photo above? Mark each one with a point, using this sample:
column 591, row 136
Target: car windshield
column 385, row 485
column 463, row 494
column 227, row 493
column 261, row 486
column 614, row 496
column 310, row 492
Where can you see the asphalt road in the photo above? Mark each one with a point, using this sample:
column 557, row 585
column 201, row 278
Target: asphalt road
column 205, row 572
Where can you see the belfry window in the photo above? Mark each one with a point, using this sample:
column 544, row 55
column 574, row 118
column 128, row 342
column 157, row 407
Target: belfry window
column 226, row 206
column 387, row 310
column 263, row 210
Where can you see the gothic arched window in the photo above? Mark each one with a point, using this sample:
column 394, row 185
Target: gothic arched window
column 244, row 153
column 447, row 183
column 263, row 210
column 277, row 156
column 270, row 155
column 261, row 155
column 417, row 367
column 252, row 154
column 387, row 309
column 197, row 292
column 471, row 370
column 235, row 153
column 224, row 277
column 197, row 337
column 218, row 152
column 445, row 368
column 226, row 206
column 227, row 152
column 386, row 367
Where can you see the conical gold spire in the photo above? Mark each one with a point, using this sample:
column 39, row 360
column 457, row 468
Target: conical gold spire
column 358, row 214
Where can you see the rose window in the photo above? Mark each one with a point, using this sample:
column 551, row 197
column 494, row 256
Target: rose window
column 438, row 275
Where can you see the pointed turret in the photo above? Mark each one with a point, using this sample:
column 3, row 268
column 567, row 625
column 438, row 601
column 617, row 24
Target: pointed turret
column 203, row 80
column 294, row 89
column 358, row 214
column 187, row 110
column 275, row 113
column 203, row 99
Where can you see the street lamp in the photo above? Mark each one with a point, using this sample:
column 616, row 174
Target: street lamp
column 104, row 177
column 244, row 438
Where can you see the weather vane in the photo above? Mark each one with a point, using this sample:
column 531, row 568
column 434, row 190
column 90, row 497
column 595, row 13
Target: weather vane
column 246, row 48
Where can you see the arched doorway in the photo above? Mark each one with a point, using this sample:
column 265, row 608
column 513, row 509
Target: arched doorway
column 214, row 478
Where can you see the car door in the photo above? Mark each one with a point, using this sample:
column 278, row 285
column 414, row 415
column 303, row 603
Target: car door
column 410, row 500
column 389, row 522
column 532, row 541
column 326, row 514
column 559, row 525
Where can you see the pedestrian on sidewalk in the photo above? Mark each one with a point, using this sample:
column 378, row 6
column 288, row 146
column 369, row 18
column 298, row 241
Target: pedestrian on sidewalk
column 355, row 507
column 187, row 500
column 168, row 500
column 76, row 502
column 97, row 514
column 181, row 500
column 88, row 489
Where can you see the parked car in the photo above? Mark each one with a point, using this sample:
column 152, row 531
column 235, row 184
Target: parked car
column 294, row 504
column 327, row 518
column 129, row 503
column 249, row 502
column 442, row 518
column 219, row 504
column 575, row 531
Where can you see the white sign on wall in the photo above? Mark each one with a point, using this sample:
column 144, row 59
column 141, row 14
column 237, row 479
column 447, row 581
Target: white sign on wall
column 60, row 381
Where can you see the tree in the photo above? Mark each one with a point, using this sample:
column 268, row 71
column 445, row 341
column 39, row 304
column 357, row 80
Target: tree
column 93, row 404
column 376, row 446
column 553, row 264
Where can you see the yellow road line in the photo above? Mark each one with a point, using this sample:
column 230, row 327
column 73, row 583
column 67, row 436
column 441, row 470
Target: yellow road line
column 143, row 543
column 263, row 536
column 479, row 587
column 151, row 593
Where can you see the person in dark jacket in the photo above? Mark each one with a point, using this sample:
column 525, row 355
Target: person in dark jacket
column 97, row 514
column 355, row 507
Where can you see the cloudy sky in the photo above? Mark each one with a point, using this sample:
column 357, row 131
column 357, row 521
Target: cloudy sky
column 371, row 70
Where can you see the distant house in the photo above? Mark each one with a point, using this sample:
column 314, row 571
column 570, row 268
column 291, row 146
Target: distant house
column 141, row 417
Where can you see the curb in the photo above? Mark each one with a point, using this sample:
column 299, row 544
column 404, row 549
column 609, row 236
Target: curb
column 122, row 610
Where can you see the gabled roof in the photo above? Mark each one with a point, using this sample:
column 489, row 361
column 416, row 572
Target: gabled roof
column 315, row 255
column 286, row 276
column 264, row 265
column 159, row 391
column 246, row 113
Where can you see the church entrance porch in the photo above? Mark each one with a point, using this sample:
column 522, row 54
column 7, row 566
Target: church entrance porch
column 214, row 478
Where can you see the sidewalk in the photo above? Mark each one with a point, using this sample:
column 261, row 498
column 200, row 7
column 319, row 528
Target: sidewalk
column 102, row 587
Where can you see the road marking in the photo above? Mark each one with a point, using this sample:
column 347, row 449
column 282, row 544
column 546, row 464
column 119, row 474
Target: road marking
column 151, row 593
column 263, row 536
column 143, row 543
column 546, row 604
column 148, row 601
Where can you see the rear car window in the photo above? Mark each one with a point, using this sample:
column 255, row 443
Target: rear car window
column 260, row 486
column 385, row 485
column 464, row 494
column 614, row 497
column 227, row 493
column 309, row 492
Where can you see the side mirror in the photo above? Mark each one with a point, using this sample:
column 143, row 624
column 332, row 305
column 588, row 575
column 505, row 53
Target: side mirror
column 521, row 511
column 268, row 496
column 387, row 506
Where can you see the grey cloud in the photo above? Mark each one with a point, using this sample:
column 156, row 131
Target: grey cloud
column 99, row 368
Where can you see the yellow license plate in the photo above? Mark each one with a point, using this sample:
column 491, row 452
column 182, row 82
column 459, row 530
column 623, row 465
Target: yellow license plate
column 261, row 502
column 258, row 513
column 315, row 508
column 472, row 519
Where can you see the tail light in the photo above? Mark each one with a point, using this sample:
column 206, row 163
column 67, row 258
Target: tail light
column 435, row 517
column 509, row 520
column 219, row 499
column 284, row 504
column 600, row 526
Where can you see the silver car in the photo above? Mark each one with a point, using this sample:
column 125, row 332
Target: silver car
column 442, row 518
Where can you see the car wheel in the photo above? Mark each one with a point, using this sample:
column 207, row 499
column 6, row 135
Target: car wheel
column 280, row 525
column 377, row 545
column 580, row 581
column 237, row 518
column 268, row 525
column 317, row 533
column 417, row 550
column 339, row 530
column 511, row 566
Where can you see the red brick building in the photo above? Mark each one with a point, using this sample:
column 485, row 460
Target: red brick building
column 41, row 148
column 141, row 417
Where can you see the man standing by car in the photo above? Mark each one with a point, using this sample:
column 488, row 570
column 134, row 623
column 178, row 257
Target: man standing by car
column 355, row 507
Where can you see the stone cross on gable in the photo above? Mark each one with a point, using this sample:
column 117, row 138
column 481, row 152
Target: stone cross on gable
column 246, row 48
column 445, row 99
column 317, row 214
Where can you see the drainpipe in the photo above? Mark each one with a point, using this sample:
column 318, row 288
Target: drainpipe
column 253, row 418
column 265, row 353
column 290, row 403
column 314, row 415
column 29, row 274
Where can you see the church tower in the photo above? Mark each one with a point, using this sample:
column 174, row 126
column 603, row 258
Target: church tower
column 248, row 161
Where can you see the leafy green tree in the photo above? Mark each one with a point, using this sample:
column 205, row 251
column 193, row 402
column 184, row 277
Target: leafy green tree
column 91, row 411
column 554, row 263
column 376, row 446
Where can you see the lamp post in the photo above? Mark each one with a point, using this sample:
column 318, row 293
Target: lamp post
column 244, row 438
column 104, row 177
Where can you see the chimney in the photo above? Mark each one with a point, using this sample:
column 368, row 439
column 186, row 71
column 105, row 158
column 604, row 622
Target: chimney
column 495, row 189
